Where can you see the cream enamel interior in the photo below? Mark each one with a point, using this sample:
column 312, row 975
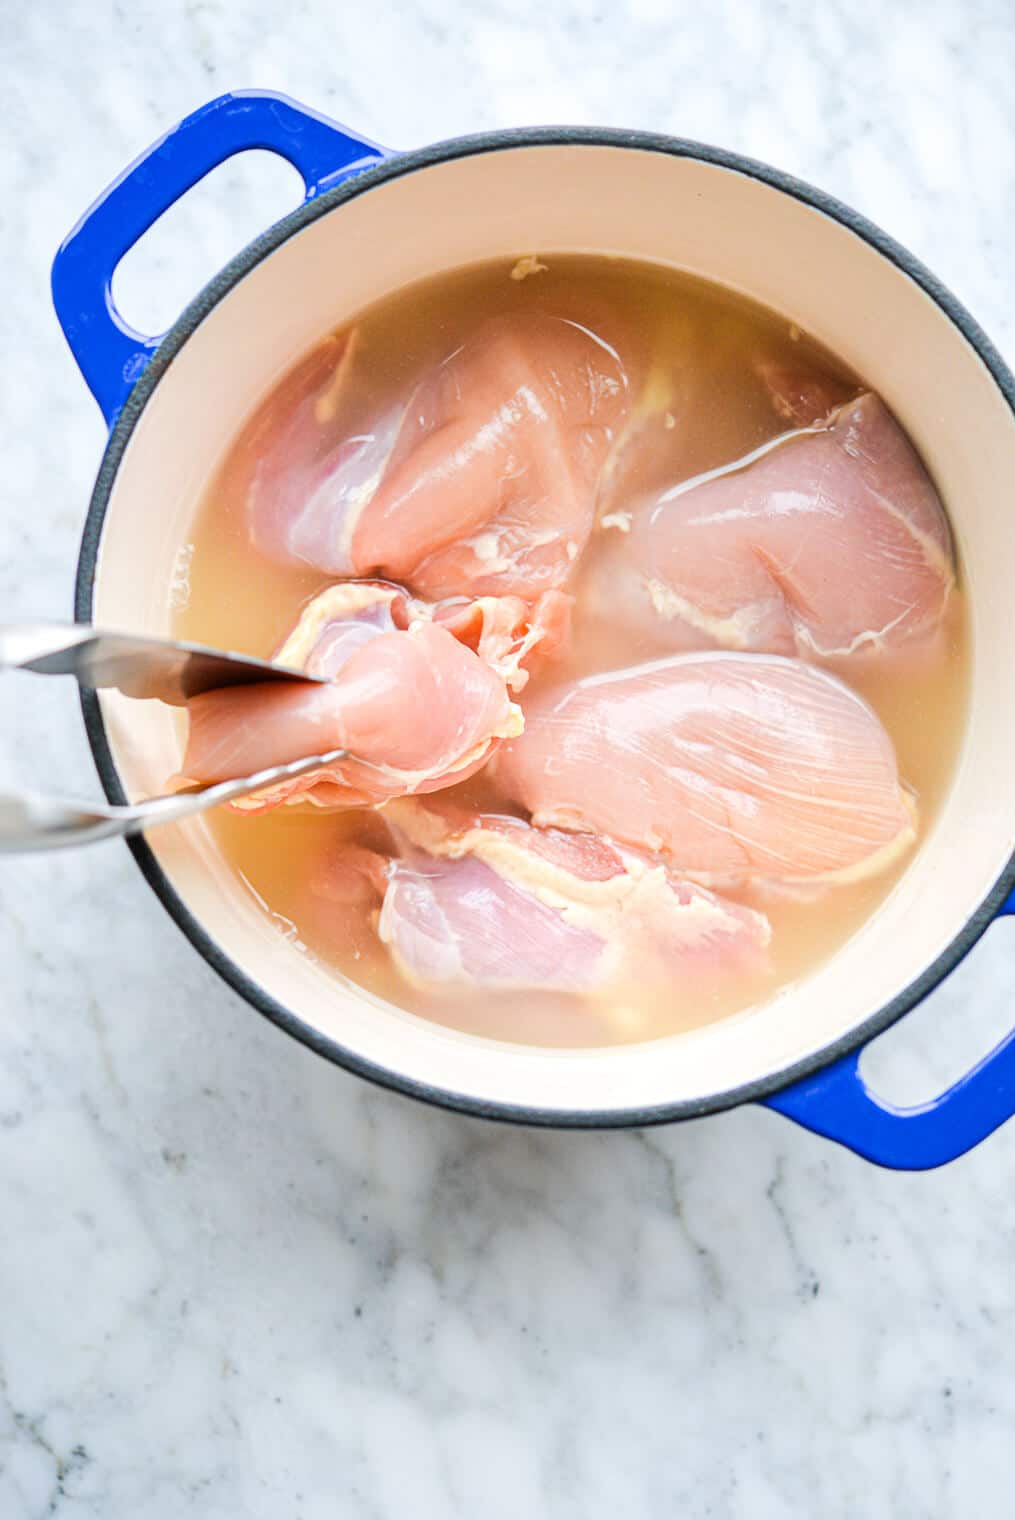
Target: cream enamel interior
column 715, row 222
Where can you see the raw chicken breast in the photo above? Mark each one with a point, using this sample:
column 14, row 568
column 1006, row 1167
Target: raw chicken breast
column 490, row 901
column 458, row 921
column 481, row 482
column 738, row 768
column 822, row 543
column 313, row 469
column 418, row 709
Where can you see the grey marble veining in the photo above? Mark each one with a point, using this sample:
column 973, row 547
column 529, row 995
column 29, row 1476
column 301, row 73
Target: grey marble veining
column 237, row 1282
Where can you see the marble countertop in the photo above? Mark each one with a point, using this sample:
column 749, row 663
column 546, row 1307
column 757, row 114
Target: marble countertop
column 238, row 1282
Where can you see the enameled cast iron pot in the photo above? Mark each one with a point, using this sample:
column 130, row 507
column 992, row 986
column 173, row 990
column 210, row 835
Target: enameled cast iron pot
column 371, row 223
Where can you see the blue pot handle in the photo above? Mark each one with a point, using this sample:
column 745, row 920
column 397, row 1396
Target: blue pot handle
column 837, row 1103
column 110, row 354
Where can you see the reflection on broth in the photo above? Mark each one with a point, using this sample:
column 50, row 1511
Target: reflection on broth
column 513, row 449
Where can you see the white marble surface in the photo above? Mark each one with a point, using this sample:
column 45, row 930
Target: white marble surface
column 236, row 1282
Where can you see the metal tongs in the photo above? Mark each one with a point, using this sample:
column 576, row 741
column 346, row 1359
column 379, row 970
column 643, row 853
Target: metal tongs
column 139, row 667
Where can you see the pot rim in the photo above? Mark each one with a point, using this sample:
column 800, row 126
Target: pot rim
column 173, row 341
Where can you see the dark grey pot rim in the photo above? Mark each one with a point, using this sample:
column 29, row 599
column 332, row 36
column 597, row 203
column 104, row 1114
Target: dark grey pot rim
column 173, row 342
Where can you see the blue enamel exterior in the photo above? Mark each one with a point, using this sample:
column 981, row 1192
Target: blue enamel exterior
column 834, row 1102
column 110, row 354
column 837, row 1103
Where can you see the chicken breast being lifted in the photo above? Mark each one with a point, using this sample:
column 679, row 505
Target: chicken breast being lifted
column 480, row 482
column 404, row 706
column 482, row 900
column 736, row 768
column 418, row 709
column 824, row 542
